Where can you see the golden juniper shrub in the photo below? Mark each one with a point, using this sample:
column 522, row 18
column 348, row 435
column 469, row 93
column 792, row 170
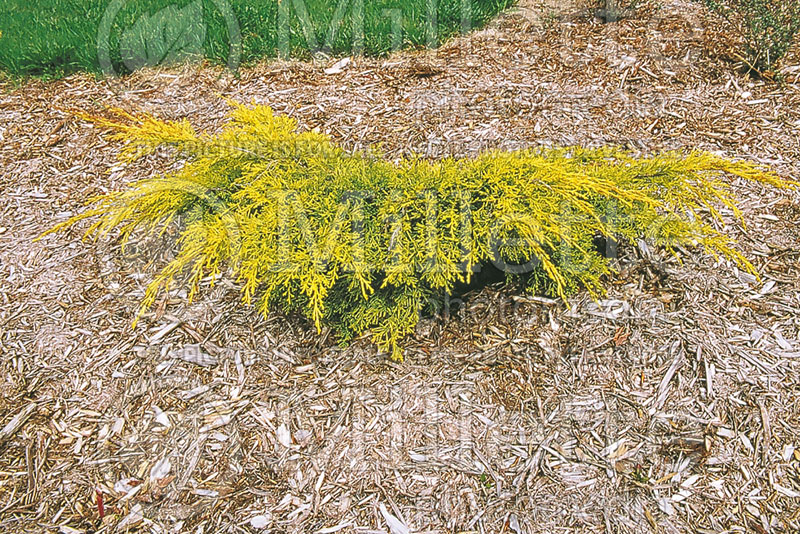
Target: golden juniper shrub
column 363, row 244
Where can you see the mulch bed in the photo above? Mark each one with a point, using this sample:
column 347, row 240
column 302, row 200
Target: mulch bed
column 669, row 406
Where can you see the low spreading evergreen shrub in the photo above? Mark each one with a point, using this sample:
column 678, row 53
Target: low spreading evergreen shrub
column 364, row 244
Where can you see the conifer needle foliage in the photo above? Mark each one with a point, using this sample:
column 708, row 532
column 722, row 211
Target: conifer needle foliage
column 363, row 244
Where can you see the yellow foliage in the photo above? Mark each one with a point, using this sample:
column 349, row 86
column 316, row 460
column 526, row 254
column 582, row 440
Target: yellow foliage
column 363, row 244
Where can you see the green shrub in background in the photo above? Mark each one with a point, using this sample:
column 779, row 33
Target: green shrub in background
column 363, row 244
column 766, row 27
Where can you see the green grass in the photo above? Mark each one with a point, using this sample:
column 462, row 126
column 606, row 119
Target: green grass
column 53, row 38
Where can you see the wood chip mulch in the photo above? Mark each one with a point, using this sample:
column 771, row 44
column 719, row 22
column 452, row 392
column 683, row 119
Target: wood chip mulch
column 672, row 405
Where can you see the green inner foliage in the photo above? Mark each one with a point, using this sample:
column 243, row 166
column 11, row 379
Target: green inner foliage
column 363, row 244
column 57, row 37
